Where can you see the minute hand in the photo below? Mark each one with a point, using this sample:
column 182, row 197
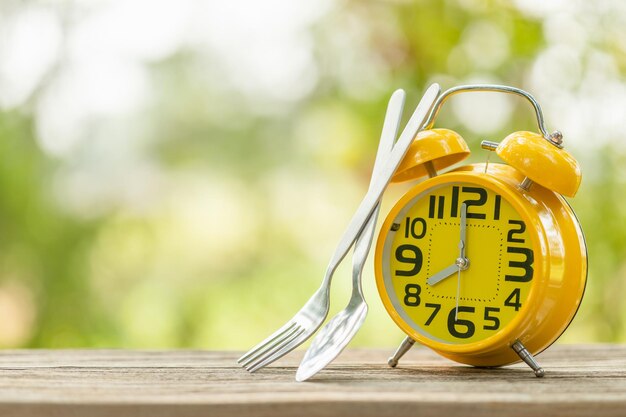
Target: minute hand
column 463, row 227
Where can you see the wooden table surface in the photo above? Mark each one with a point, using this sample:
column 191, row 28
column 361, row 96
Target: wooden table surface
column 580, row 381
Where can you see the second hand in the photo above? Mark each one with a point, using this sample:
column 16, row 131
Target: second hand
column 458, row 291
column 461, row 257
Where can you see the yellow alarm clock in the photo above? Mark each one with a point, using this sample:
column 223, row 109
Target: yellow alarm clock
column 485, row 264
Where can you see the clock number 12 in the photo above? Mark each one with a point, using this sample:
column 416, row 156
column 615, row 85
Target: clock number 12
column 436, row 204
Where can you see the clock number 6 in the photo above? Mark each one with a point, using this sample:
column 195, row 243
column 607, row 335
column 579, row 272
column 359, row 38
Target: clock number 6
column 470, row 328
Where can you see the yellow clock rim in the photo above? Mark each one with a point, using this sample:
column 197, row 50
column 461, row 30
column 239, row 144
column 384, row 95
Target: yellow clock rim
column 538, row 238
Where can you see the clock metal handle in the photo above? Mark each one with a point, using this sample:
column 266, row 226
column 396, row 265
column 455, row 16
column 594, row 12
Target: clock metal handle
column 555, row 138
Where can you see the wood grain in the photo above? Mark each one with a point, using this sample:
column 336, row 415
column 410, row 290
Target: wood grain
column 580, row 381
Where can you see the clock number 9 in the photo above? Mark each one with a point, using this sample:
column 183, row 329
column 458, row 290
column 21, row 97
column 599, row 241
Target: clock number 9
column 409, row 254
column 453, row 322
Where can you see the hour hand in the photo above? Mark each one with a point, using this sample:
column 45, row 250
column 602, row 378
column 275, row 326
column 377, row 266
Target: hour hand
column 443, row 274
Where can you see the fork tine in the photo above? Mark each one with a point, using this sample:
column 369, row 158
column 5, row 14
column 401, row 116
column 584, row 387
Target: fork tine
column 271, row 338
column 269, row 343
column 271, row 347
column 287, row 347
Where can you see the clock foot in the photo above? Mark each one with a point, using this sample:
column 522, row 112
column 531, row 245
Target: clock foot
column 525, row 355
column 404, row 347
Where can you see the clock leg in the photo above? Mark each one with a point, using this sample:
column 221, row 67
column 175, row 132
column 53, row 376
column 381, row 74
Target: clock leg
column 525, row 355
column 404, row 347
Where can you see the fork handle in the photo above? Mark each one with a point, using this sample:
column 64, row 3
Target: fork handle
column 380, row 182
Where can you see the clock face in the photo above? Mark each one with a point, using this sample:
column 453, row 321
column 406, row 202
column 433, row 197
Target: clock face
column 421, row 261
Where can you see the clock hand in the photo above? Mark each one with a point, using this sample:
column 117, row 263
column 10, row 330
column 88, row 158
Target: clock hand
column 462, row 259
column 463, row 227
column 443, row 274
column 458, row 291
column 461, row 263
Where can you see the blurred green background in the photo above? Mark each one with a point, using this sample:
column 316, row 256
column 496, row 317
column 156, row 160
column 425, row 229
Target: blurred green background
column 177, row 173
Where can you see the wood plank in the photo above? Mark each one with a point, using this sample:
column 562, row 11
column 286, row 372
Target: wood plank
column 580, row 381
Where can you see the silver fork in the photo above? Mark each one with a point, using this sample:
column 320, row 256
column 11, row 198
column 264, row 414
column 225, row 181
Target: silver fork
column 310, row 317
